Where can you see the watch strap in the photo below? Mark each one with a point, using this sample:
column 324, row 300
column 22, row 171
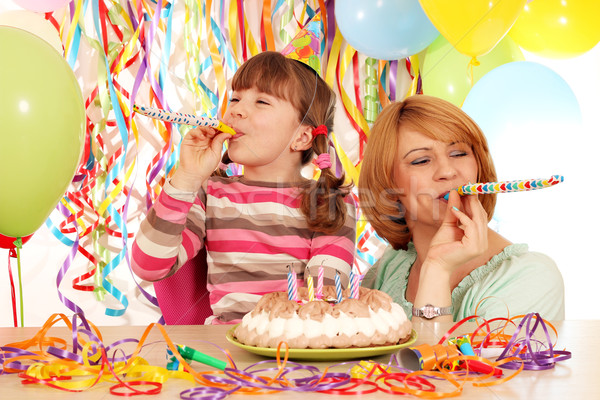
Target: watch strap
column 430, row 311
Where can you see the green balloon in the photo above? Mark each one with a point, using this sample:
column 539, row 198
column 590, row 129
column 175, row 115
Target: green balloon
column 42, row 130
column 446, row 72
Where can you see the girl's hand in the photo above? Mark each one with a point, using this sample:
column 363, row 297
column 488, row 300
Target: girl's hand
column 199, row 157
column 462, row 235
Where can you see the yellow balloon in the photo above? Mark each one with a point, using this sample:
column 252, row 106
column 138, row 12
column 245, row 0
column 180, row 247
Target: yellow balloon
column 473, row 27
column 558, row 28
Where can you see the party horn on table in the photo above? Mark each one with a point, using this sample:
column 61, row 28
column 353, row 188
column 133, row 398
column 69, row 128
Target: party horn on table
column 190, row 354
column 183, row 119
column 464, row 346
column 507, row 186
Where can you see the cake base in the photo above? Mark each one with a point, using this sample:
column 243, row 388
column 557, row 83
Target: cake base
column 331, row 354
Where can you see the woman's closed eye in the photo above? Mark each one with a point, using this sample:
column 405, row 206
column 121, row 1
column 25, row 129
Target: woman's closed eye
column 458, row 153
column 426, row 160
column 420, row 161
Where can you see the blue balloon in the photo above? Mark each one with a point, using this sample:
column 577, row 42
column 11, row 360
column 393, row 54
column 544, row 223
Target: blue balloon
column 532, row 121
column 521, row 93
column 385, row 29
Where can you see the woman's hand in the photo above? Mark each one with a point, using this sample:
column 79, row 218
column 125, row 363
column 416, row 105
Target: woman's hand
column 462, row 235
column 199, row 156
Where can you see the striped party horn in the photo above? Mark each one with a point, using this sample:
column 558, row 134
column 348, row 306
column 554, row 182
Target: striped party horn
column 183, row 119
column 508, row 186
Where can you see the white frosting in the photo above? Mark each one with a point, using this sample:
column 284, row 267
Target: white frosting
column 381, row 327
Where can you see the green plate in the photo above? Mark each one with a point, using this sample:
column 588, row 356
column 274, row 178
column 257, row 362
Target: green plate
column 324, row 354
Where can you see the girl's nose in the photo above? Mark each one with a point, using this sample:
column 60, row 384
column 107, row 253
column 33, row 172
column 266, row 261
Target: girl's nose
column 237, row 110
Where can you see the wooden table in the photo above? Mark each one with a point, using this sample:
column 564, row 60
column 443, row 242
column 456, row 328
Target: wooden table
column 576, row 378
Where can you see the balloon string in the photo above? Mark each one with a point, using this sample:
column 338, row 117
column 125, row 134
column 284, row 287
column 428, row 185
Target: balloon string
column 12, row 287
column 18, row 247
column 473, row 63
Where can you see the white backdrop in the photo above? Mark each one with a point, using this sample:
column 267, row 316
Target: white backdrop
column 561, row 221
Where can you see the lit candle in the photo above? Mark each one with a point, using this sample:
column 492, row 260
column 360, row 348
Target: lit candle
column 320, row 283
column 338, row 286
column 311, row 287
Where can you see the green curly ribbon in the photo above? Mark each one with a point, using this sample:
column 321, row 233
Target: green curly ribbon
column 371, row 100
column 285, row 19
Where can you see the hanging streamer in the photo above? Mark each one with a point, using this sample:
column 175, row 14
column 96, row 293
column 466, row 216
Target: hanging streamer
column 146, row 55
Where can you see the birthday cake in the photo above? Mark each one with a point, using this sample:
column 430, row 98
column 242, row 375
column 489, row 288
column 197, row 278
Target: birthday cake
column 372, row 319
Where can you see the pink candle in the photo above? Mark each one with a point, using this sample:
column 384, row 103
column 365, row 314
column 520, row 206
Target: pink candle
column 320, row 283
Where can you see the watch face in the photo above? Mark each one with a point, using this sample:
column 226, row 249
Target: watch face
column 429, row 312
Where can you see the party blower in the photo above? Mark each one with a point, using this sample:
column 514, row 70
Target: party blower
column 183, row 119
column 191, row 354
column 507, row 186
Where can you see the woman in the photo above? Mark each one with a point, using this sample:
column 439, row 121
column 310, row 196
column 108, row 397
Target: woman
column 443, row 261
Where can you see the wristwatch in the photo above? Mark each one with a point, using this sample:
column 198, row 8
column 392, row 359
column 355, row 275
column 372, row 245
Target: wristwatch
column 431, row 311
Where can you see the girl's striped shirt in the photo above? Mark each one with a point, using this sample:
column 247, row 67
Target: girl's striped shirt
column 252, row 232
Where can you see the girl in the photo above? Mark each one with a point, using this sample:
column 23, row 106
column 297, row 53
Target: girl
column 443, row 261
column 255, row 226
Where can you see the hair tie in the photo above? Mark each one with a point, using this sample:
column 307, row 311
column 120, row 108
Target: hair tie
column 323, row 161
column 320, row 130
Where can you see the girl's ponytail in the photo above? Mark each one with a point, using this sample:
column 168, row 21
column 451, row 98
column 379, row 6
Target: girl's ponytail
column 222, row 168
column 323, row 201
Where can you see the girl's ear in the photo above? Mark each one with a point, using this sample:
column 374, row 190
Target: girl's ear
column 303, row 139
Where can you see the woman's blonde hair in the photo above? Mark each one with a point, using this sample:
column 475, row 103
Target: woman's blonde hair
column 291, row 80
column 435, row 118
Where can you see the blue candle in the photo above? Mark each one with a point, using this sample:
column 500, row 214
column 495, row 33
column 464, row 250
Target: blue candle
column 338, row 286
column 290, row 284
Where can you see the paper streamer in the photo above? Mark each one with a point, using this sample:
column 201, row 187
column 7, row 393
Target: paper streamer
column 181, row 118
column 143, row 39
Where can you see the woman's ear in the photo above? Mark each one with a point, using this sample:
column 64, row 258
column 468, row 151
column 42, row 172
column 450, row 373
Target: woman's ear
column 303, row 138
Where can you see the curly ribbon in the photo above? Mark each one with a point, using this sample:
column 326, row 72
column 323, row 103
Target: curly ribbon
column 371, row 107
column 92, row 175
column 545, row 357
column 414, row 64
column 87, row 361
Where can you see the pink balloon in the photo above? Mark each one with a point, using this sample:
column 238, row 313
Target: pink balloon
column 43, row 6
